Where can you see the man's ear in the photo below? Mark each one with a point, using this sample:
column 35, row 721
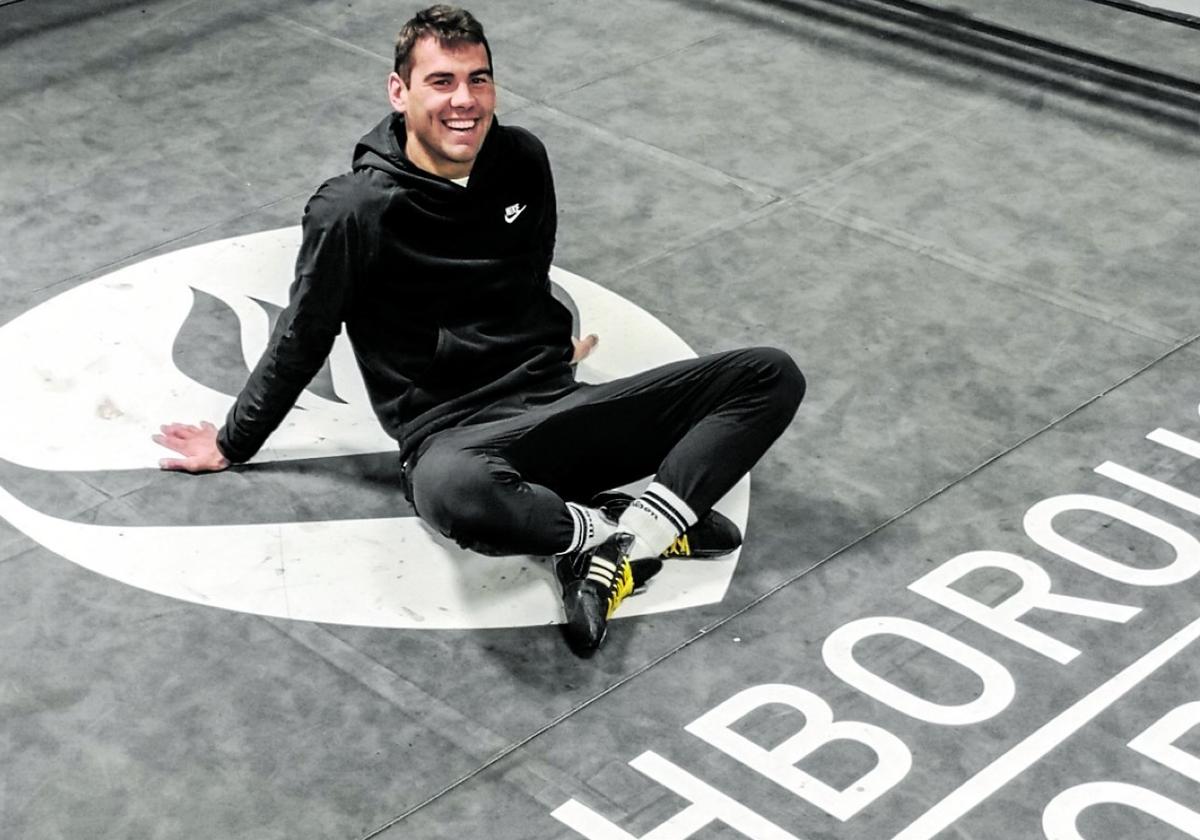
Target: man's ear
column 397, row 93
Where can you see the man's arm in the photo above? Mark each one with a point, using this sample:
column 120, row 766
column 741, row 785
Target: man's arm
column 326, row 267
column 548, row 232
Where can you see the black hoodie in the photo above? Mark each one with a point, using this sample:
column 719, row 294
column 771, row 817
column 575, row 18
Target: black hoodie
column 444, row 291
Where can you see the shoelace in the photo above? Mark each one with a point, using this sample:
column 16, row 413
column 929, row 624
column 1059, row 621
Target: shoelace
column 621, row 588
column 617, row 579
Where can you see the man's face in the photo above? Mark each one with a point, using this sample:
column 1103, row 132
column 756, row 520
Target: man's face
column 447, row 105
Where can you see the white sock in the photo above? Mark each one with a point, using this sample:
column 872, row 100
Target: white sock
column 591, row 528
column 655, row 519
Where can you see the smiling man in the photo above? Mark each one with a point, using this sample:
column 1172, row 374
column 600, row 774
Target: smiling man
column 445, row 119
column 435, row 252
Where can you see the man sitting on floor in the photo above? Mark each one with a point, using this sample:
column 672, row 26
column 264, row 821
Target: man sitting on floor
column 435, row 253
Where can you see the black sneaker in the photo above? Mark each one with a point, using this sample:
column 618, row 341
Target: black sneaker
column 714, row 535
column 572, row 567
column 595, row 583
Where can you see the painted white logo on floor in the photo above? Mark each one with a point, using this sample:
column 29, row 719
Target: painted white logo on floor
column 92, row 374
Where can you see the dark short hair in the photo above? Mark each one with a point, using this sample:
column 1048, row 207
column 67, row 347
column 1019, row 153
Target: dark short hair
column 449, row 24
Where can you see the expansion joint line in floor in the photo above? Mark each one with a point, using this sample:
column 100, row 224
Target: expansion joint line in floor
column 97, row 270
column 317, row 34
column 800, row 197
column 988, row 272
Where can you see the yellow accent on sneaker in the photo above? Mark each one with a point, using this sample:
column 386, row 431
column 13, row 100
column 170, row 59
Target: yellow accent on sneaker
column 620, row 587
column 679, row 547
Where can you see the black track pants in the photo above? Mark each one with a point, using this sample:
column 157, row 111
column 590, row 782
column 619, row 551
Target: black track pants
column 699, row 425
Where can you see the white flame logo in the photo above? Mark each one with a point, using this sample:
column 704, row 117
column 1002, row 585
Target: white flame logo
column 92, row 374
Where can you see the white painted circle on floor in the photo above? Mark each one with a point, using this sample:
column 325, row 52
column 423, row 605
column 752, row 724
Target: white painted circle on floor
column 98, row 379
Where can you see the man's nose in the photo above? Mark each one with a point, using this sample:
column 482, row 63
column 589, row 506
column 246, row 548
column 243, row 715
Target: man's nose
column 462, row 96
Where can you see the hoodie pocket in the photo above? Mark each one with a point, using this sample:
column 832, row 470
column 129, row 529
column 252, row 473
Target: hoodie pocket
column 458, row 359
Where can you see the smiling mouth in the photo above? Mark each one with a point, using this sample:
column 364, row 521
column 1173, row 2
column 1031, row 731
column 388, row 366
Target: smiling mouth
column 461, row 126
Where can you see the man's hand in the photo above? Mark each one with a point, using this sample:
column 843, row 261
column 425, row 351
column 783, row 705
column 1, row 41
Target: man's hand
column 583, row 347
column 198, row 445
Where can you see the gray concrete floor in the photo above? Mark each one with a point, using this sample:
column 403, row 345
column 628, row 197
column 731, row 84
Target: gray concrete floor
column 981, row 253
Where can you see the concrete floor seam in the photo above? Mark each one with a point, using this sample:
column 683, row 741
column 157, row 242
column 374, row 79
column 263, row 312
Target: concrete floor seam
column 533, row 735
column 389, row 685
column 685, row 243
column 887, row 152
column 325, row 37
column 29, row 547
column 100, row 62
column 991, row 273
column 798, row 197
column 150, row 249
column 688, row 166
column 536, row 778
column 108, row 496
column 618, row 71
column 155, row 20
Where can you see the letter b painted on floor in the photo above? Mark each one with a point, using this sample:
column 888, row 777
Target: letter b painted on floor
column 893, row 758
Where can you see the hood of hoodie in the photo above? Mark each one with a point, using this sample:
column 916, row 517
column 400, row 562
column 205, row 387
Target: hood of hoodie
column 382, row 148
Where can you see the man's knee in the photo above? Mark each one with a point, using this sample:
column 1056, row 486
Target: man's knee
column 779, row 374
column 452, row 489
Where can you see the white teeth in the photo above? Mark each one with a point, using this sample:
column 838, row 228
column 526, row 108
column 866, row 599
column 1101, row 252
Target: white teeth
column 460, row 124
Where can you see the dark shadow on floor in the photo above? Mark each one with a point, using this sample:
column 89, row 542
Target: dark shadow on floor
column 1040, row 67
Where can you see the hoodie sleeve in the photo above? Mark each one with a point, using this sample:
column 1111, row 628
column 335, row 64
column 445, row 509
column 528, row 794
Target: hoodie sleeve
column 549, row 227
column 326, row 268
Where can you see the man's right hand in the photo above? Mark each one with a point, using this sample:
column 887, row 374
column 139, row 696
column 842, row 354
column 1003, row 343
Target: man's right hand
column 198, row 445
column 583, row 347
